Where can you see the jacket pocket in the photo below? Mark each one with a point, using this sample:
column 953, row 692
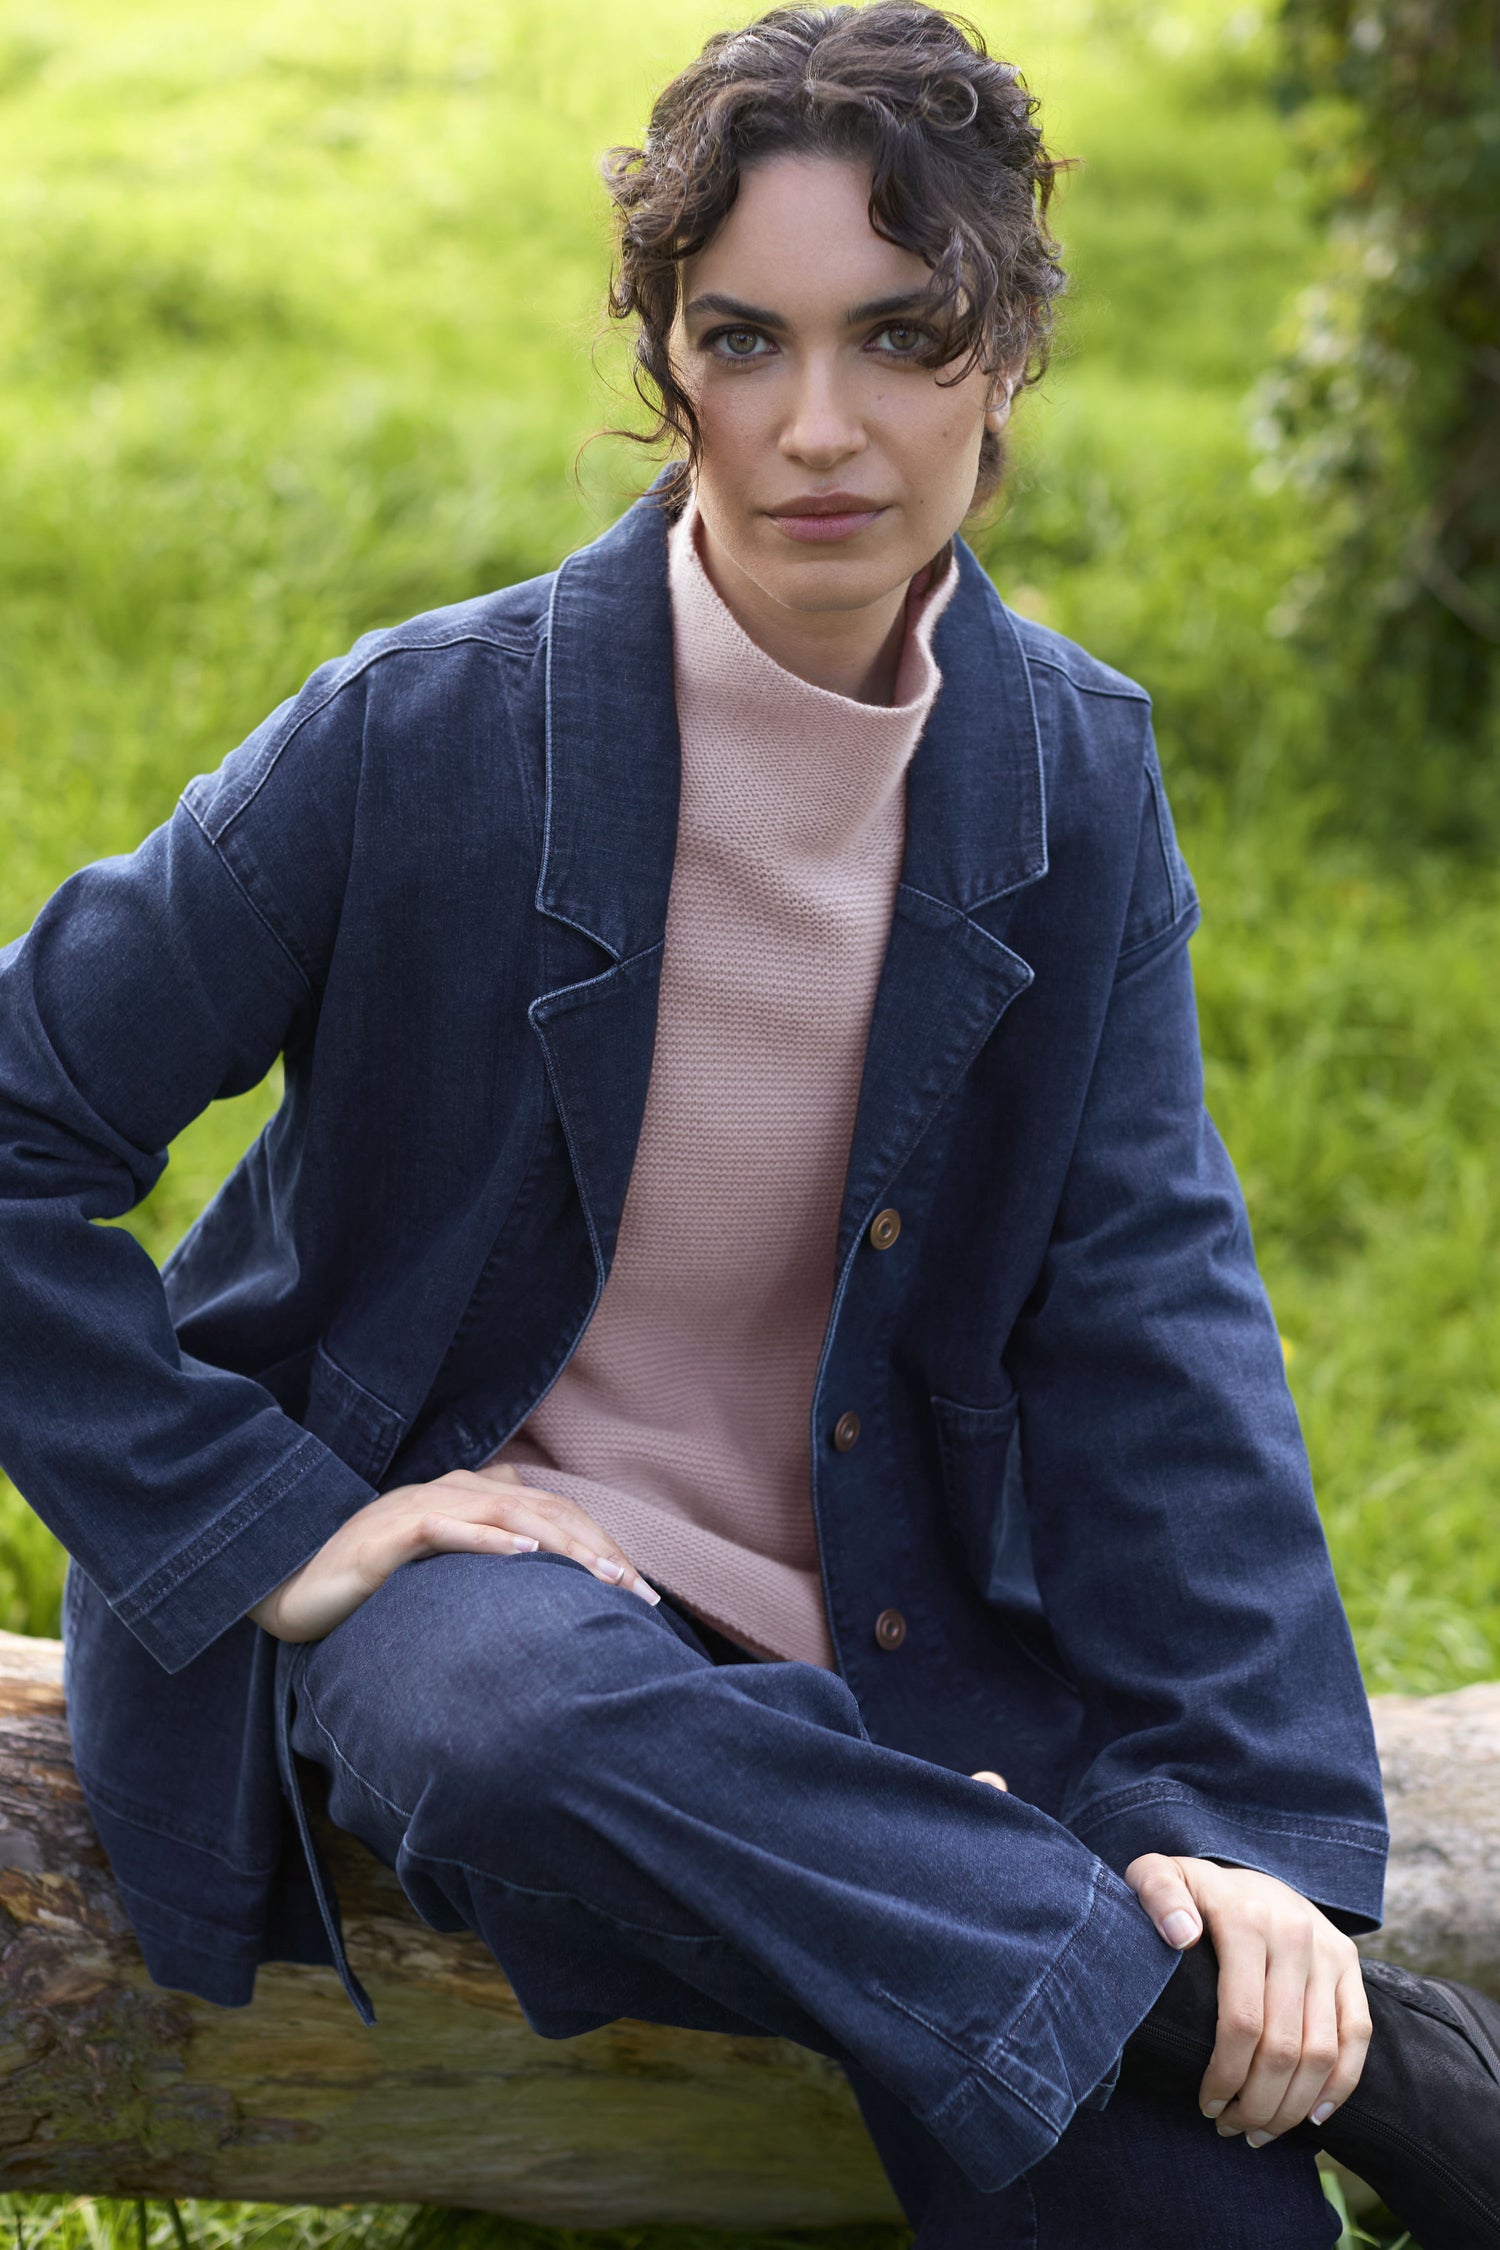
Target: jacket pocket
column 352, row 1422
column 985, row 1486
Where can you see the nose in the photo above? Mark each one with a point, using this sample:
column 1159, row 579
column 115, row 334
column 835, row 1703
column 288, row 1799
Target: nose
column 822, row 427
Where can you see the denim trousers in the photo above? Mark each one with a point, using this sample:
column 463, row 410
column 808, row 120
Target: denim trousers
column 636, row 1826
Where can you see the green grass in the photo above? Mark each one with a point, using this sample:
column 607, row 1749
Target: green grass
column 296, row 322
column 90, row 2223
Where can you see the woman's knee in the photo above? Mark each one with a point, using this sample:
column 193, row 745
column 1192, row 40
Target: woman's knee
column 467, row 1674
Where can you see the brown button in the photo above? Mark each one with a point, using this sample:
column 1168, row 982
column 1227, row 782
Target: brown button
column 884, row 1228
column 890, row 1628
column 845, row 1431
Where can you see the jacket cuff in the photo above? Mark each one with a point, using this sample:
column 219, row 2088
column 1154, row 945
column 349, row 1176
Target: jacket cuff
column 198, row 1593
column 1339, row 1865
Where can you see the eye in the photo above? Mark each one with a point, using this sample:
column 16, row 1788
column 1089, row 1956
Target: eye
column 736, row 343
column 902, row 339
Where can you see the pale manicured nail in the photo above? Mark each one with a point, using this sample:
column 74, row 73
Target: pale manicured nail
column 1212, row 2109
column 1179, row 1927
column 520, row 1546
column 1258, row 2140
column 1323, row 2112
column 647, row 1593
column 1229, row 2132
column 613, row 1571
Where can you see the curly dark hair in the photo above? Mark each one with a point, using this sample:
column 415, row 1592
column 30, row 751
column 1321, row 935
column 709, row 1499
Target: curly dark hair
column 961, row 175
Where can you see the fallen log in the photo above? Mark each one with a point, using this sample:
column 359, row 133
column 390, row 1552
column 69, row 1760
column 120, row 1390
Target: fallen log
column 109, row 2085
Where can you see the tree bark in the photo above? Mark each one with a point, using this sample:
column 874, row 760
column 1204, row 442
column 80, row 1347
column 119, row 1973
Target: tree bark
column 109, row 2085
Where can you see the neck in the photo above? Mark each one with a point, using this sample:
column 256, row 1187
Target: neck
column 850, row 652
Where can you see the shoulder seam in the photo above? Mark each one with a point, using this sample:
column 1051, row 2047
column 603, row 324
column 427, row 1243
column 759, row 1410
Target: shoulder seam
column 1128, row 694
column 258, row 911
column 351, row 679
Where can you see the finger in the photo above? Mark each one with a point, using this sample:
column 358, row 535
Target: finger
column 995, row 1780
column 1319, row 2054
column 1242, row 1991
column 1279, row 2048
column 1158, row 1883
column 1354, row 2029
column 559, row 1525
column 556, row 1538
column 435, row 1534
column 440, row 1535
column 554, row 1507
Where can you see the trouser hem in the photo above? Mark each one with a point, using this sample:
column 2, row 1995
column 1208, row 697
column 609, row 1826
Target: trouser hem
column 1061, row 2045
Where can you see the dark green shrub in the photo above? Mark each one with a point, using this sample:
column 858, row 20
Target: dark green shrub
column 1385, row 408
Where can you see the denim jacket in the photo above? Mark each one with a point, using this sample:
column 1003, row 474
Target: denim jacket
column 435, row 882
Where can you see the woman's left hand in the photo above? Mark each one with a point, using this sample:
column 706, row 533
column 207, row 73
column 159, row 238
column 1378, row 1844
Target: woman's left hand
column 1293, row 2021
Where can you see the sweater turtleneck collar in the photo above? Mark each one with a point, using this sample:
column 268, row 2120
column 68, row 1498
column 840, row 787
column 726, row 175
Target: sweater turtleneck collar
column 809, row 769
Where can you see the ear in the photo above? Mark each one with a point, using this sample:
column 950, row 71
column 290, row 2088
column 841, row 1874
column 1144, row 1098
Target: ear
column 997, row 412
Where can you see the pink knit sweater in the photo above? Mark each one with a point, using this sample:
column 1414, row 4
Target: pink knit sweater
column 682, row 1420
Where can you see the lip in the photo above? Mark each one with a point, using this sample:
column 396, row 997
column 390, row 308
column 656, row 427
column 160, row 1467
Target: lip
column 826, row 517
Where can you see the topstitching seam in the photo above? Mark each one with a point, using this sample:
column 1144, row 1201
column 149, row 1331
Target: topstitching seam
column 972, row 2063
column 569, row 1898
column 1350, row 1839
column 305, row 1697
column 221, row 860
column 488, row 1874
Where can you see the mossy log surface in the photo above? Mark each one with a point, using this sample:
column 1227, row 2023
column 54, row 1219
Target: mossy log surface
column 109, row 2085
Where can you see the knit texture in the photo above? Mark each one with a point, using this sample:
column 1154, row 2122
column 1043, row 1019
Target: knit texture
column 682, row 1420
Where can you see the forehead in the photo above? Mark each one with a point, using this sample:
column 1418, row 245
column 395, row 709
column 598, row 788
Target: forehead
column 798, row 239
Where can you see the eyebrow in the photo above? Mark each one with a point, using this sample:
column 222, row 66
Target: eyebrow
column 758, row 316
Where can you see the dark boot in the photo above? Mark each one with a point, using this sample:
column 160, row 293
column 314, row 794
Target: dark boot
column 1423, row 2125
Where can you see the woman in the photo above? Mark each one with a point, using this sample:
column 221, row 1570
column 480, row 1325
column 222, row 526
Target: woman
column 740, row 1325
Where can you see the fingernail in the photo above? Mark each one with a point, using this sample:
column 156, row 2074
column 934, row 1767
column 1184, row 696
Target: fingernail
column 1323, row 2112
column 522, row 1546
column 647, row 1593
column 1213, row 2109
column 1258, row 2140
column 613, row 1571
column 1179, row 1928
column 1228, row 2132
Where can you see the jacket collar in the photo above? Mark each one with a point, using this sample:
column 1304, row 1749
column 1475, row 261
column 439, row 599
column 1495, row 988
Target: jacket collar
column 975, row 807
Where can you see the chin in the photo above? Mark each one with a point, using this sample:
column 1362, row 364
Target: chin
column 830, row 582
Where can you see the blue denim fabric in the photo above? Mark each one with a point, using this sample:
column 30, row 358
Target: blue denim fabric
column 435, row 882
column 634, row 1830
column 1140, row 2174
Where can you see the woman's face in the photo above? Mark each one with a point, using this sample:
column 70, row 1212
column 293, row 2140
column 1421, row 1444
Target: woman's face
column 833, row 465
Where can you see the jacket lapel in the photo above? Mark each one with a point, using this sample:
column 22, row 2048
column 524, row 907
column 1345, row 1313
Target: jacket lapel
column 609, row 840
column 975, row 831
column 612, row 753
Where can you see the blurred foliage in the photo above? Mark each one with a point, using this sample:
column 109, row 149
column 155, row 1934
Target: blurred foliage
column 1384, row 411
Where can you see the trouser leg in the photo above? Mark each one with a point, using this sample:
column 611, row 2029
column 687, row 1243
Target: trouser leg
column 1141, row 2174
column 636, row 1831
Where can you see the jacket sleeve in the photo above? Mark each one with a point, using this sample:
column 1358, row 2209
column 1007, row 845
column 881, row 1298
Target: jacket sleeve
column 150, row 986
column 1176, row 1543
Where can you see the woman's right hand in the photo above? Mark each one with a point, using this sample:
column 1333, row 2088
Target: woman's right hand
column 465, row 1512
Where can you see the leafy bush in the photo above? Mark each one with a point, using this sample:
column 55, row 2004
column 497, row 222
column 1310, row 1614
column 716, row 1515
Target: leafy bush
column 1384, row 412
